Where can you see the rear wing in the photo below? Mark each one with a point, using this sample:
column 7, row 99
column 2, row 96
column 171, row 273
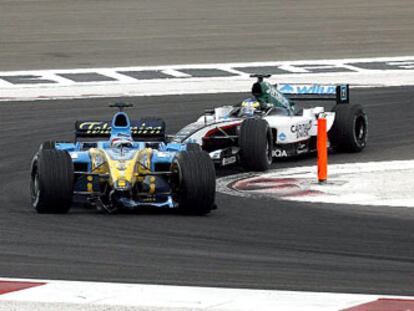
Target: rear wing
column 338, row 93
column 145, row 129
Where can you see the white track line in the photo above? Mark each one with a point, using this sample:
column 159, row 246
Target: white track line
column 76, row 295
column 182, row 83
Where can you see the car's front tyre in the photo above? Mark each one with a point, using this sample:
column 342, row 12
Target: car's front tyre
column 51, row 183
column 195, row 182
column 255, row 142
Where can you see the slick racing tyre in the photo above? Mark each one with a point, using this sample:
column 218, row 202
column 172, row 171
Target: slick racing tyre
column 195, row 182
column 255, row 142
column 52, row 181
column 349, row 133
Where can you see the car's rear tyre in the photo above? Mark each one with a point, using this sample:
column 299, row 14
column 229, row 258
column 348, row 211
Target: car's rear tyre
column 195, row 182
column 349, row 133
column 255, row 142
column 51, row 184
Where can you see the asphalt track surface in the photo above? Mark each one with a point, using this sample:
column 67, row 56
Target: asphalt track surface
column 245, row 243
column 58, row 34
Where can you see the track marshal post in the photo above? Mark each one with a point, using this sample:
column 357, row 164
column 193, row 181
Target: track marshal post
column 322, row 149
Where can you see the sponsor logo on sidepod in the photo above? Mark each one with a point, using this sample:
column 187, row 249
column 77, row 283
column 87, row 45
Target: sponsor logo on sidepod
column 229, row 160
column 301, row 129
column 279, row 153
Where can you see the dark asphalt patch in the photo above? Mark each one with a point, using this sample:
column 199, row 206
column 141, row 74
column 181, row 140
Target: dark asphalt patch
column 278, row 70
column 322, row 68
column 86, row 77
column 207, row 73
column 398, row 65
column 249, row 243
column 51, row 34
column 273, row 70
column 146, row 74
column 26, row 79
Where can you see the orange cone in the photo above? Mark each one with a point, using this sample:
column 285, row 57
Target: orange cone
column 322, row 148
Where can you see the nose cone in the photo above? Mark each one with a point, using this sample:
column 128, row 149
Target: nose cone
column 121, row 167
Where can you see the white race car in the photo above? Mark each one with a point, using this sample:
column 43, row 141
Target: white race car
column 270, row 125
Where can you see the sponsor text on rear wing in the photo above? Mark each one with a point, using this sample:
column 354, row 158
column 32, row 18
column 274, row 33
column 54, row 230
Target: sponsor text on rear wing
column 338, row 93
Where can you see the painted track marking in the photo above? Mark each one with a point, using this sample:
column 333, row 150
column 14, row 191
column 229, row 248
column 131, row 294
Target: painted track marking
column 200, row 78
column 71, row 295
column 13, row 286
column 372, row 183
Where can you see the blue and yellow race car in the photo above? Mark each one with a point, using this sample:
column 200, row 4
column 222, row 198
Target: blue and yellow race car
column 122, row 164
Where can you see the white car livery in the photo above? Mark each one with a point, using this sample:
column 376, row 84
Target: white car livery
column 270, row 125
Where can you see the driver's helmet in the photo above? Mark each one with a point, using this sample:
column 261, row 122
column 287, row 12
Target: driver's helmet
column 249, row 106
column 121, row 142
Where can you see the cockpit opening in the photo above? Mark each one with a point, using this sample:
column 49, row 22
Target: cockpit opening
column 257, row 89
column 121, row 120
